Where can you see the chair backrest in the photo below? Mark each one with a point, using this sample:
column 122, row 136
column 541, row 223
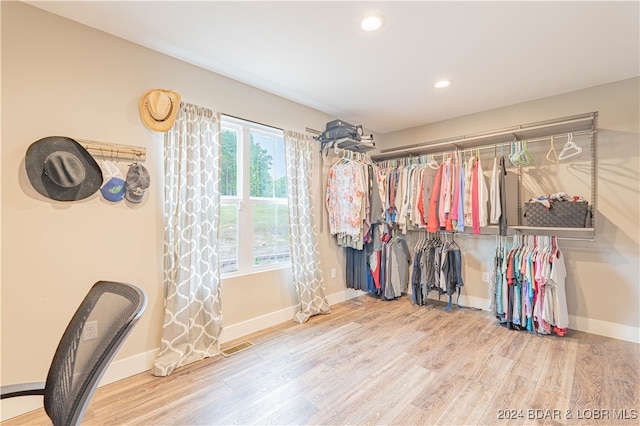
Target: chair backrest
column 79, row 363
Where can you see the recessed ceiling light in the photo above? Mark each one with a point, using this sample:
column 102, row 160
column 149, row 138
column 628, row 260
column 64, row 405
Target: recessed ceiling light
column 442, row 83
column 372, row 23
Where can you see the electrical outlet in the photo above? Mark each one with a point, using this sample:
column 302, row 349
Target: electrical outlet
column 90, row 330
column 486, row 277
column 333, row 272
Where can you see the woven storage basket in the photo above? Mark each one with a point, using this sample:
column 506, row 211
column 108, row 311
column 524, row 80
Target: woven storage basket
column 561, row 214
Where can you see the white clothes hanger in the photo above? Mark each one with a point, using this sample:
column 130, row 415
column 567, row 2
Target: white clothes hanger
column 432, row 162
column 570, row 148
column 552, row 149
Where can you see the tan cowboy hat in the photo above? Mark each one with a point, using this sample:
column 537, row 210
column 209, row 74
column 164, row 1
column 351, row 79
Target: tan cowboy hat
column 158, row 109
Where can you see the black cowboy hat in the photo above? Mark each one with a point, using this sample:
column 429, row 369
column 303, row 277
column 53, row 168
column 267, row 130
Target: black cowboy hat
column 61, row 169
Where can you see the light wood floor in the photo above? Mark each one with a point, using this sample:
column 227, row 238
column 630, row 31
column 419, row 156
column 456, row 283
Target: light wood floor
column 375, row 362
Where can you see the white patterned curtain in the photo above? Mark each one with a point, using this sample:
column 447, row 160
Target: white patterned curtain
column 305, row 260
column 193, row 312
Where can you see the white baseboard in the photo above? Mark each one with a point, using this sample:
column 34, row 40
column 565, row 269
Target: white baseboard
column 475, row 302
column 465, row 301
column 12, row 407
column 236, row 331
column 604, row 328
column 126, row 367
column 341, row 296
column 587, row 325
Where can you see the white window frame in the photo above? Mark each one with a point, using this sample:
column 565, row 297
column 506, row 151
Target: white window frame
column 244, row 202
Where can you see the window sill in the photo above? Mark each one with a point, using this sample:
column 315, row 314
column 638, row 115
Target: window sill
column 255, row 271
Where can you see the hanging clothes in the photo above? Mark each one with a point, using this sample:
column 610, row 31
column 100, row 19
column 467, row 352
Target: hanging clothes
column 435, row 197
column 387, row 267
column 557, row 276
column 452, row 268
column 428, row 184
column 376, row 213
column 494, row 194
column 468, row 187
column 398, row 262
column 483, row 197
column 479, row 198
column 356, row 269
column 437, row 267
column 530, row 286
column 461, row 198
column 444, row 202
column 455, row 205
column 502, row 222
column 353, row 201
column 433, row 223
column 416, row 289
column 345, row 200
column 475, row 200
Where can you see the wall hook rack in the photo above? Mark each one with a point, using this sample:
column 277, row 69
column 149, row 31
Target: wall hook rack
column 114, row 152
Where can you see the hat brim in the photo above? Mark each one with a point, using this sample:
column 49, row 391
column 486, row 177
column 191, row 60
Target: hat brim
column 132, row 198
column 149, row 121
column 35, row 158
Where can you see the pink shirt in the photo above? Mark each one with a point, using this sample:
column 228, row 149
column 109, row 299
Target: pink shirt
column 456, row 191
column 432, row 220
column 475, row 202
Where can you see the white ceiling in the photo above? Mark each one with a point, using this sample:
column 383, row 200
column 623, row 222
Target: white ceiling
column 495, row 53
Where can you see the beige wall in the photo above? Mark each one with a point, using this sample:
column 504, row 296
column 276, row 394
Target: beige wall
column 62, row 78
column 602, row 283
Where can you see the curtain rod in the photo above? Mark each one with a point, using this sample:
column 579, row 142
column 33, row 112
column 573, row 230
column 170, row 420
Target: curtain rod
column 252, row 121
column 308, row 130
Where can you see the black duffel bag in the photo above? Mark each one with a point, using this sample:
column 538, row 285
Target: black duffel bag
column 338, row 129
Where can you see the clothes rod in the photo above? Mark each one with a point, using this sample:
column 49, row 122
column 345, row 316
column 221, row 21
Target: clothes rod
column 543, row 138
column 511, row 131
column 112, row 151
column 560, row 135
column 481, row 235
column 468, row 234
column 473, row 148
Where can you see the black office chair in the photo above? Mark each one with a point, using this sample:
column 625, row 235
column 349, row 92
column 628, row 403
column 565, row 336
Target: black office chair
column 112, row 310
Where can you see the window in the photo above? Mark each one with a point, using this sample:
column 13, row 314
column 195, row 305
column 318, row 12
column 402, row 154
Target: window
column 254, row 221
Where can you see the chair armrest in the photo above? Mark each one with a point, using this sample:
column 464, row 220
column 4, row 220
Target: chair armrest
column 22, row 389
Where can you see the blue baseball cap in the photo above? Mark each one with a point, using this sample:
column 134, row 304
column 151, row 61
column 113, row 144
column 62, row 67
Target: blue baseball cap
column 113, row 188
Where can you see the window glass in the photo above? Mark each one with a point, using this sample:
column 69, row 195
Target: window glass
column 270, row 234
column 229, row 162
column 254, row 222
column 267, row 172
column 228, row 237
